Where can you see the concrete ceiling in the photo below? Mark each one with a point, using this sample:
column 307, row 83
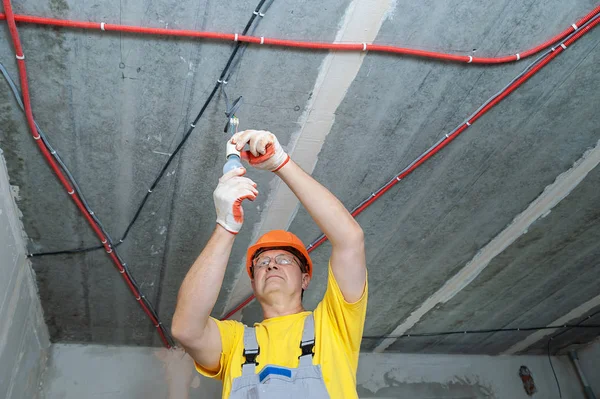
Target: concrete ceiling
column 116, row 105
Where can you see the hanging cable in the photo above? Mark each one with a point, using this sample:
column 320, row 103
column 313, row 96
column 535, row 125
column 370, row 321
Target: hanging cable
column 304, row 44
column 223, row 79
column 527, row 73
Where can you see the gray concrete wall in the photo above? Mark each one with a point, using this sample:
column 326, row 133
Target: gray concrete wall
column 589, row 359
column 86, row 371
column 23, row 335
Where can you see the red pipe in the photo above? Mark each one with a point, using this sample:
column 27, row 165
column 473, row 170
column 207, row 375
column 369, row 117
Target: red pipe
column 303, row 44
column 556, row 51
column 9, row 16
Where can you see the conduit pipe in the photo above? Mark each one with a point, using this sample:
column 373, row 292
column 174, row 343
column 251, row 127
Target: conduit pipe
column 14, row 34
column 302, row 44
column 554, row 52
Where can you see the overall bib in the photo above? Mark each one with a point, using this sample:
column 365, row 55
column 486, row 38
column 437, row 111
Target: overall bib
column 276, row 382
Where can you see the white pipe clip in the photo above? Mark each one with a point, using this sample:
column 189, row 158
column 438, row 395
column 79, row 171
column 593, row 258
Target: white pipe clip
column 37, row 138
column 470, row 59
column 398, row 178
column 149, row 190
column 102, row 25
column 109, row 252
column 518, row 56
column 574, row 26
column 192, row 125
column 364, row 46
column 20, row 57
column 235, row 38
column 468, row 124
column 105, row 241
column 262, row 40
column 53, row 152
column 122, row 271
column 563, row 46
column 72, row 192
column 447, row 136
column 138, row 298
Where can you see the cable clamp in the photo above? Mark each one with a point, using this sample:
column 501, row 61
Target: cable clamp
column 72, row 192
column 124, row 264
column 149, row 190
column 553, row 49
column 109, row 252
column 20, row 57
column 122, row 271
column 235, row 38
column 102, row 25
column 563, row 46
column 470, row 59
column 138, row 298
column 105, row 241
column 574, row 26
column 468, row 124
column 91, row 212
column 447, row 135
column 53, row 152
column 398, row 178
column 262, row 40
column 364, row 46
column 224, row 82
column 372, row 194
column 37, row 138
column 518, row 56
column 260, row 14
column 192, row 125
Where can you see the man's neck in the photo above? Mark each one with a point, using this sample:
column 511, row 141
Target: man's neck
column 277, row 310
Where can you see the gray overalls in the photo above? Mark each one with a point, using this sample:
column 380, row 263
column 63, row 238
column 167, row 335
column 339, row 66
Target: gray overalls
column 276, row 382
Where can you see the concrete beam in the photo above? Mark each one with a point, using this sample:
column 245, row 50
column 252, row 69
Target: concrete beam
column 539, row 208
column 361, row 23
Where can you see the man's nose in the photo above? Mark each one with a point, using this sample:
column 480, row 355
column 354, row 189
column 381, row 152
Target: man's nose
column 272, row 265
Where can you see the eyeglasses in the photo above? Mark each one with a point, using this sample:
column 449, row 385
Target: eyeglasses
column 281, row 259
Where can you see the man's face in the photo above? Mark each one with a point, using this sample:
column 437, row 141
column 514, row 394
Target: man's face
column 278, row 271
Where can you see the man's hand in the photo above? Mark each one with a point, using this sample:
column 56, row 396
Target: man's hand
column 265, row 151
column 228, row 197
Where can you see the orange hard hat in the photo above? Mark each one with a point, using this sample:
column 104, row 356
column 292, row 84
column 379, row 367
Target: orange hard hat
column 278, row 239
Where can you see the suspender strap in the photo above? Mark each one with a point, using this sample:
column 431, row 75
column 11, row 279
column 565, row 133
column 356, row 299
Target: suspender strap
column 308, row 341
column 251, row 351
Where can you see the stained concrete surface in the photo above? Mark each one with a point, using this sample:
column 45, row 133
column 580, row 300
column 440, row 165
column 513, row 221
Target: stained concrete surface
column 24, row 340
column 114, row 104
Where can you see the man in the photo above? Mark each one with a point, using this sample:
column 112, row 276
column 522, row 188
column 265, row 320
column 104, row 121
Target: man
column 292, row 353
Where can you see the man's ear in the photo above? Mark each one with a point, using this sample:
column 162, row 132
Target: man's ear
column 305, row 280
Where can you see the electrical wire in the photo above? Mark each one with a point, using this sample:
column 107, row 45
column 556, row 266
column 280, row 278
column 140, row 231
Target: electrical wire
column 521, row 78
column 222, row 81
column 483, row 331
column 304, row 44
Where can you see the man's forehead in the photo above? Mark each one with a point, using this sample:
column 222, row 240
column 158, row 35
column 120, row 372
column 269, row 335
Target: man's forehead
column 274, row 252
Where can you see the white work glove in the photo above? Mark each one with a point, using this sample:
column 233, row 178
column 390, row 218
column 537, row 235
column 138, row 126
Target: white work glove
column 228, row 196
column 265, row 151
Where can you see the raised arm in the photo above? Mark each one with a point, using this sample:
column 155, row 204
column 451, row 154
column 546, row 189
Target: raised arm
column 346, row 236
column 192, row 326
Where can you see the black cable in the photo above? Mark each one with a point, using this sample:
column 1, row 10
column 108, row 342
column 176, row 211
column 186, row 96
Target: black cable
column 220, row 81
column 483, row 331
column 554, row 371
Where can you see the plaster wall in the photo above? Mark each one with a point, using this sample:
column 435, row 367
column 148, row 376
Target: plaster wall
column 85, row 371
column 23, row 335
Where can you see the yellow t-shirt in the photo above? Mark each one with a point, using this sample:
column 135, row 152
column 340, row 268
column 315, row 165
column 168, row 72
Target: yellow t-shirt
column 338, row 334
